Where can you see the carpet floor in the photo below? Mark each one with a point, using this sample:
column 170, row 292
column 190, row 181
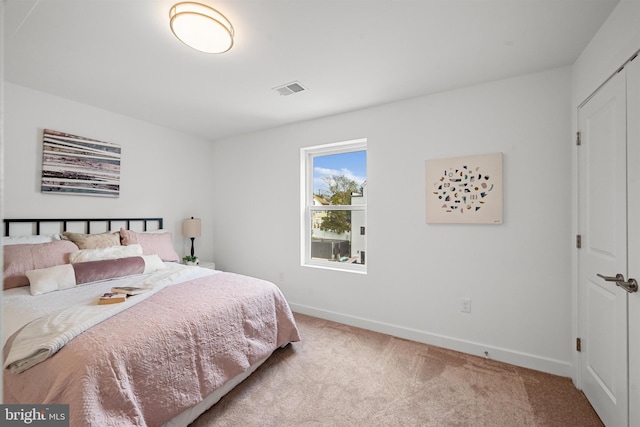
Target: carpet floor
column 339, row 375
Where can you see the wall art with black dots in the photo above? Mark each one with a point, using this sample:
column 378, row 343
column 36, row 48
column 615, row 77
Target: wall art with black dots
column 464, row 190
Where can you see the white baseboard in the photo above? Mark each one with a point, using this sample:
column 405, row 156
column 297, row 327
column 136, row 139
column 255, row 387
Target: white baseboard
column 552, row 366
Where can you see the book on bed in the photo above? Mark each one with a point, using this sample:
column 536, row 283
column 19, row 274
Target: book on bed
column 112, row 298
column 128, row 290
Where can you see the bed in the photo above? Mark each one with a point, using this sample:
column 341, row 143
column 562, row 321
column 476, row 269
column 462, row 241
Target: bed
column 162, row 357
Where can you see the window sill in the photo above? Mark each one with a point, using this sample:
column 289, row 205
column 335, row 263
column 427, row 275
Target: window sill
column 335, row 266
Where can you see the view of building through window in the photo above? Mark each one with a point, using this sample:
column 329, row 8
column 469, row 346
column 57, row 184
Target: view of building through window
column 338, row 211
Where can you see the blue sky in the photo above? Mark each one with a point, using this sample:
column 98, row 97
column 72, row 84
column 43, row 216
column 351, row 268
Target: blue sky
column 353, row 165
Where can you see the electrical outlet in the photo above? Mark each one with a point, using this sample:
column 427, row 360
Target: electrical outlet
column 465, row 305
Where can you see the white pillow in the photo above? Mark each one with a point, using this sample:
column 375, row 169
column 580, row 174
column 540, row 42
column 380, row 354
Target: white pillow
column 30, row 240
column 51, row 279
column 152, row 263
column 98, row 254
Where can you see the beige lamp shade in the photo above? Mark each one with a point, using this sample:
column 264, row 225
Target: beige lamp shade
column 192, row 227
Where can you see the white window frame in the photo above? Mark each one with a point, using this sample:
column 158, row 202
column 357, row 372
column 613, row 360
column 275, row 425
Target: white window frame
column 307, row 155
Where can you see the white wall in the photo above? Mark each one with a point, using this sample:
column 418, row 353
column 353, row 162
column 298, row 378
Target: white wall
column 610, row 48
column 163, row 172
column 517, row 274
column 616, row 41
column 1, row 143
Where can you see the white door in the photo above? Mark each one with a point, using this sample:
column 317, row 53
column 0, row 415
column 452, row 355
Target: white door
column 633, row 199
column 602, row 224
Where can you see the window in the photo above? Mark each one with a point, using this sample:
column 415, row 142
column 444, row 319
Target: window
column 334, row 206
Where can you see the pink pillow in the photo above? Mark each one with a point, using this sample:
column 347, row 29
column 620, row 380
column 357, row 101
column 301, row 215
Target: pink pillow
column 18, row 259
column 69, row 275
column 152, row 243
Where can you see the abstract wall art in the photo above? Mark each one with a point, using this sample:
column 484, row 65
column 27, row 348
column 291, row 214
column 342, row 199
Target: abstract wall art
column 464, row 190
column 76, row 165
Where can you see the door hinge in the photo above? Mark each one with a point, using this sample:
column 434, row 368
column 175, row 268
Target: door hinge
column 578, row 241
column 578, row 344
column 578, row 140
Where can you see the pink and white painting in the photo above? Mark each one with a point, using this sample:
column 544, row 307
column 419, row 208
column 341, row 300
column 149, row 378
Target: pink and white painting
column 76, row 165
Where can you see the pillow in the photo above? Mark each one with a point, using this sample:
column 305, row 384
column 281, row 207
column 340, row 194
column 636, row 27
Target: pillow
column 152, row 243
column 152, row 263
column 29, row 240
column 51, row 279
column 69, row 275
column 112, row 252
column 20, row 258
column 93, row 241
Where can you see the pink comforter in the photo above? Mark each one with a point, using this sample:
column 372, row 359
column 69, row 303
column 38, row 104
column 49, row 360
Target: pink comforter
column 162, row 356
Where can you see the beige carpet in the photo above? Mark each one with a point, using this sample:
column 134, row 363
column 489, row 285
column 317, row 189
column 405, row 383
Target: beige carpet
column 339, row 375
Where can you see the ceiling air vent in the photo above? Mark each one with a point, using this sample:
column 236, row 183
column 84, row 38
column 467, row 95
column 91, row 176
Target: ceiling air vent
column 290, row 88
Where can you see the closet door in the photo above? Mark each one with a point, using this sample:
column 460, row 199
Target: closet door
column 633, row 172
column 602, row 224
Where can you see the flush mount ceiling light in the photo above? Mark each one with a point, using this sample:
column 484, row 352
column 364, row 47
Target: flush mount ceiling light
column 201, row 27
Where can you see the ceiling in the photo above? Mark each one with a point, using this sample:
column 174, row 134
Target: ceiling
column 120, row 55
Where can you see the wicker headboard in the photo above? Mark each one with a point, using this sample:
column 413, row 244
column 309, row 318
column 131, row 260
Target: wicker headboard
column 84, row 225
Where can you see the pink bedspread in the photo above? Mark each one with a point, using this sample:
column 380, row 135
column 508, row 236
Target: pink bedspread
column 160, row 357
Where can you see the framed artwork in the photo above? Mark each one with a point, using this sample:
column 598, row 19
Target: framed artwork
column 464, row 190
column 76, row 165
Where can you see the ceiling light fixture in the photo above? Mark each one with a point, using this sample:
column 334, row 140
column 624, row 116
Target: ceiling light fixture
column 201, row 27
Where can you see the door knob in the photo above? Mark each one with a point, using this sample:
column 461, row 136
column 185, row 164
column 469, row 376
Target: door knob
column 630, row 285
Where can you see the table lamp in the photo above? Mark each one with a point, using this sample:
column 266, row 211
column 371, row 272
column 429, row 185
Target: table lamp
column 192, row 228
